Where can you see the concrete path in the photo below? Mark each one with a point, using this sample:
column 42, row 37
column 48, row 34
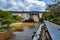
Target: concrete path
column 54, row 30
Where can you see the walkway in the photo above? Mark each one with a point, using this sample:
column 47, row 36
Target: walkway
column 54, row 30
column 48, row 31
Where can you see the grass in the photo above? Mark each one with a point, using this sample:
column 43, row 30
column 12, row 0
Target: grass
column 2, row 30
column 19, row 26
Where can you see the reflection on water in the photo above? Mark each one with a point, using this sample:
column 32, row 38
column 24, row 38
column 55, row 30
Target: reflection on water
column 24, row 35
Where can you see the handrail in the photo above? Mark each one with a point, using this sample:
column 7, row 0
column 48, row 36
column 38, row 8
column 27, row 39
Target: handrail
column 37, row 35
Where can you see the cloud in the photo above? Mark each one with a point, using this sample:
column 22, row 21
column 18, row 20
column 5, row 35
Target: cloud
column 36, row 2
column 12, row 2
column 20, row 5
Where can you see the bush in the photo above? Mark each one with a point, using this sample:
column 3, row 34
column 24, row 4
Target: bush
column 17, row 18
column 56, row 20
column 40, row 20
column 5, row 24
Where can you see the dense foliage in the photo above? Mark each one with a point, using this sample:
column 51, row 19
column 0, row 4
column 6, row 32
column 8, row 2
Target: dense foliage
column 54, row 14
column 6, row 18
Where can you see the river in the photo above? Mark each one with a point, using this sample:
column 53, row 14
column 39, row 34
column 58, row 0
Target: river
column 24, row 35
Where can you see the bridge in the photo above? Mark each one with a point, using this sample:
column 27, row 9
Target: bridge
column 34, row 12
column 29, row 14
column 47, row 31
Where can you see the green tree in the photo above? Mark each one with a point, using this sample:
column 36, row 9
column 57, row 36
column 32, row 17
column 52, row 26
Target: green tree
column 18, row 18
column 54, row 15
column 5, row 24
column 5, row 15
column 55, row 9
column 5, row 18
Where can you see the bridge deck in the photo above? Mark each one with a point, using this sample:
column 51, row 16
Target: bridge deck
column 53, row 30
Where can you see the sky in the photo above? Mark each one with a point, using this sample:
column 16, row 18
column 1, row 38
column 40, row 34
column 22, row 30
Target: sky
column 24, row 5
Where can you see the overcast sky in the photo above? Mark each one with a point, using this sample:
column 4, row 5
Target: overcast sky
column 24, row 5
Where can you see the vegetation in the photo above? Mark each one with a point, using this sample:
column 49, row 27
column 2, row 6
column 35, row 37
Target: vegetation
column 6, row 18
column 54, row 14
column 17, row 18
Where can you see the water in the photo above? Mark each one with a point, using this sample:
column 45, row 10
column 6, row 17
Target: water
column 24, row 35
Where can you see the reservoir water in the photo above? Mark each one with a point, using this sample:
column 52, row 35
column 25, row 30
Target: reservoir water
column 24, row 35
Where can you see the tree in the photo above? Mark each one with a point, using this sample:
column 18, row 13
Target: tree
column 55, row 9
column 7, row 23
column 18, row 18
column 5, row 18
column 54, row 15
column 5, row 15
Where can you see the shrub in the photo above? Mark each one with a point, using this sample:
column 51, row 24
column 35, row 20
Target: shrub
column 56, row 20
column 5, row 22
column 41, row 19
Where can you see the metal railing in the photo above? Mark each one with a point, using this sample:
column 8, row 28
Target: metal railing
column 53, row 30
column 37, row 34
column 47, row 31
